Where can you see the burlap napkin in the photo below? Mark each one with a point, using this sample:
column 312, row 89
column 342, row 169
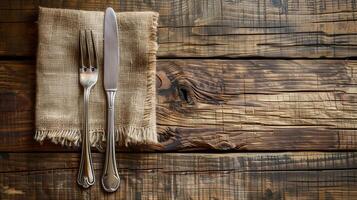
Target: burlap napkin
column 59, row 95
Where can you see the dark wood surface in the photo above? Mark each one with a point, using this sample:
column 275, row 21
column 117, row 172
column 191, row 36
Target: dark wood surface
column 253, row 78
column 185, row 176
column 228, row 28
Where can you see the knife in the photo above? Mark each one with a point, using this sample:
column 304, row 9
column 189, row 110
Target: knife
column 110, row 178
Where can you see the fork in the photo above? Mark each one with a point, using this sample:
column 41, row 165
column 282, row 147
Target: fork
column 88, row 75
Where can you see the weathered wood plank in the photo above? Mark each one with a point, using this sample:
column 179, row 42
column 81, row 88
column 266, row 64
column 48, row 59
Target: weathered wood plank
column 258, row 104
column 308, row 175
column 221, row 105
column 272, row 28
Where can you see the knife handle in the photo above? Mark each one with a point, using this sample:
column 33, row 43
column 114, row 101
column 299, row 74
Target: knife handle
column 110, row 178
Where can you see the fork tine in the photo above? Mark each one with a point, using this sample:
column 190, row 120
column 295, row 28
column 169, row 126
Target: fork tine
column 88, row 44
column 81, row 46
column 94, row 50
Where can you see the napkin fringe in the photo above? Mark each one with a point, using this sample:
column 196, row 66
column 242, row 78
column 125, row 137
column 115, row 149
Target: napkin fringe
column 127, row 136
column 135, row 136
column 149, row 103
column 69, row 137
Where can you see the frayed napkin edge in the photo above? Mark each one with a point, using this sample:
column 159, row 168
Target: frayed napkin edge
column 124, row 136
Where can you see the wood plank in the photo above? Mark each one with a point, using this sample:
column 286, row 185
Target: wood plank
column 225, row 28
column 309, row 175
column 257, row 104
column 220, row 105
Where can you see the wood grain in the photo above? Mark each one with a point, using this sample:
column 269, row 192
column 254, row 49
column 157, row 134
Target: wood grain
column 257, row 104
column 185, row 176
column 249, row 104
column 220, row 105
column 225, row 28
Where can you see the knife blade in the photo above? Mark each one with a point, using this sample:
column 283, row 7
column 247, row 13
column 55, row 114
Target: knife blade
column 111, row 50
column 110, row 177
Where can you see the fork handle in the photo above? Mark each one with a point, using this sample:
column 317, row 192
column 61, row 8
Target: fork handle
column 86, row 175
column 110, row 178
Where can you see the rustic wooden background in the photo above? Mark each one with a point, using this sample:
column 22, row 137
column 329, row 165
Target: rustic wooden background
column 257, row 99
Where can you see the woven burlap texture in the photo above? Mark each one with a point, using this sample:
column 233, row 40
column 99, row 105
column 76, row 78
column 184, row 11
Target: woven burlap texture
column 59, row 95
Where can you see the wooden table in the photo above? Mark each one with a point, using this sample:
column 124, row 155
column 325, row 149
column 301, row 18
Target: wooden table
column 257, row 99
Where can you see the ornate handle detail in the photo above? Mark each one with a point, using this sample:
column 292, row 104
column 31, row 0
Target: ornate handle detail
column 86, row 175
column 110, row 178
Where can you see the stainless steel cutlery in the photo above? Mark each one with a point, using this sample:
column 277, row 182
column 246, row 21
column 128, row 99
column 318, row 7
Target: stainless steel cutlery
column 110, row 178
column 88, row 76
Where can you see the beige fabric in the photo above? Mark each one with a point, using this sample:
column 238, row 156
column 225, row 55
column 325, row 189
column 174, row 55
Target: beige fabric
column 59, row 95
